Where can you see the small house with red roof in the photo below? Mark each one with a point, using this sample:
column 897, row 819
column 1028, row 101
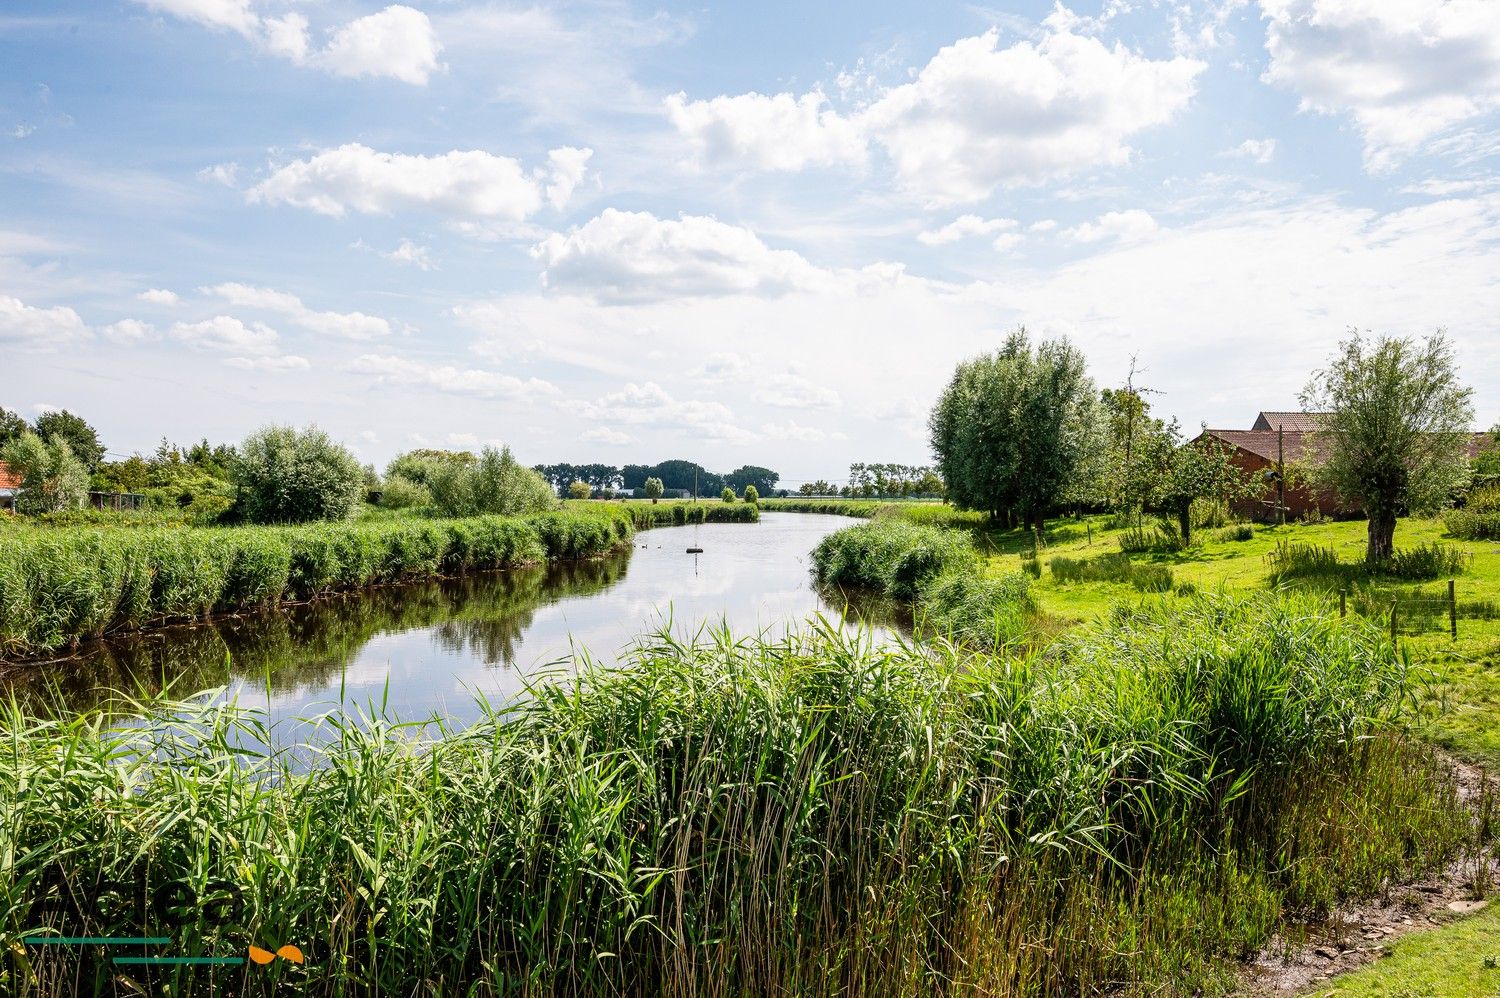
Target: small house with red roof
column 10, row 485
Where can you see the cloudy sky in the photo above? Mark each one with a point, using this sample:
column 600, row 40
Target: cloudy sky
column 733, row 233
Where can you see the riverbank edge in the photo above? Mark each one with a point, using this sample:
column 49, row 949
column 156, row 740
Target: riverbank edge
column 62, row 587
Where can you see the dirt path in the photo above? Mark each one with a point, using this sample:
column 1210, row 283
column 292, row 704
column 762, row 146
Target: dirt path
column 1358, row 934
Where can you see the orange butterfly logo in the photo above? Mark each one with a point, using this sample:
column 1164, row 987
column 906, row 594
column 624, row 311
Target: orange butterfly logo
column 287, row 952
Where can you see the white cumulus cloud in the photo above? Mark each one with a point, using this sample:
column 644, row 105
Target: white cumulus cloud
column 460, row 183
column 392, row 369
column 628, row 256
column 964, row 226
column 35, row 328
column 976, row 117
column 780, row 132
column 159, row 296
column 398, row 42
column 1124, row 226
column 228, row 334
column 793, row 391
column 1261, row 151
column 129, row 331
column 1405, row 71
column 348, row 325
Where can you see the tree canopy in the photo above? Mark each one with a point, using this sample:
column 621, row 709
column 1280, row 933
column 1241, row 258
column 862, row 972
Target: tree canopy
column 1397, row 428
column 82, row 438
column 1013, row 428
column 286, row 475
column 52, row 478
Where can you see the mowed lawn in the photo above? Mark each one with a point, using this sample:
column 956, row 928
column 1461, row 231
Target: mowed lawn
column 1461, row 960
column 1465, row 674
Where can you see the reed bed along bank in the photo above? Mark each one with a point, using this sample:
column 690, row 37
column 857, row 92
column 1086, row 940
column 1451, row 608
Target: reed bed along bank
column 60, row 585
column 809, row 815
column 937, row 571
column 937, row 514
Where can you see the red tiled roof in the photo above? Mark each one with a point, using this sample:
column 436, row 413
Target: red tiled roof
column 1262, row 443
column 1297, row 445
column 1301, row 422
column 8, row 478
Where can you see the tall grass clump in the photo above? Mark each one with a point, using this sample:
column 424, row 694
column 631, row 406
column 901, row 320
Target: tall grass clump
column 1118, row 567
column 890, row 556
column 1164, row 536
column 809, row 815
column 62, row 585
column 978, row 611
column 1320, row 564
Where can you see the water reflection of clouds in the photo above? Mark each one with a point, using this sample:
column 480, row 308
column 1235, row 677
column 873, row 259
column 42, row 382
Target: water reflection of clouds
column 429, row 649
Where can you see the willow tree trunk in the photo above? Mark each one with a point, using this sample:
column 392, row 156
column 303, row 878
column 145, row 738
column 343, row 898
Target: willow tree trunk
column 1382, row 535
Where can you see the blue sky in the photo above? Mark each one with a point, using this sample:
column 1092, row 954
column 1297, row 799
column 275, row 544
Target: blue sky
column 746, row 233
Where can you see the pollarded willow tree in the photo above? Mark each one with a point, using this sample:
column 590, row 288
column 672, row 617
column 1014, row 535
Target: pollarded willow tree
column 1396, row 433
column 1014, row 429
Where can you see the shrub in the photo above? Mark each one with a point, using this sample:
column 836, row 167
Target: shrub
column 1238, row 532
column 1471, row 525
column 401, row 492
column 1307, row 561
column 752, row 494
column 285, row 475
column 580, row 490
column 727, row 495
column 890, row 556
column 495, row 484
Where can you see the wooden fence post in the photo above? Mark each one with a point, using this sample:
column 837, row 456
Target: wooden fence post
column 1453, row 609
column 1394, row 604
column 1343, row 602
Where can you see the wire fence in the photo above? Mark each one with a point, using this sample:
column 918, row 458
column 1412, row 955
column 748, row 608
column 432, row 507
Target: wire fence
column 1423, row 613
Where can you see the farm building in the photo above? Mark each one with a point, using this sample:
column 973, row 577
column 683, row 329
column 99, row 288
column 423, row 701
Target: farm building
column 1278, row 443
column 10, row 484
column 1287, row 442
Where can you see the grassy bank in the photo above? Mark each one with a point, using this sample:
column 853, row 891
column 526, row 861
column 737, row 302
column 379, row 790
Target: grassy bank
column 60, row 585
column 806, row 816
column 934, row 514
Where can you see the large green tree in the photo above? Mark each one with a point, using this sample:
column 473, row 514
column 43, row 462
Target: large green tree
column 286, row 475
column 1013, row 429
column 1397, row 428
column 82, row 439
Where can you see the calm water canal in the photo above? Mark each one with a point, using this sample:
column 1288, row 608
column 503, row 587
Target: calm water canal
column 426, row 649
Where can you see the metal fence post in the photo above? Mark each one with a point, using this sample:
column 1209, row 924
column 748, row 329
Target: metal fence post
column 1453, row 609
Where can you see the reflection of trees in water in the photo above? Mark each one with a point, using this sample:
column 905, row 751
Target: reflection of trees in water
column 310, row 646
column 865, row 606
column 490, row 622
